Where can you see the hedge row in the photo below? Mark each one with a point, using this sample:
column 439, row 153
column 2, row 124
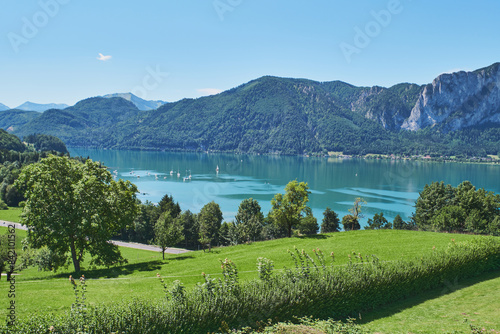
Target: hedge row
column 313, row 288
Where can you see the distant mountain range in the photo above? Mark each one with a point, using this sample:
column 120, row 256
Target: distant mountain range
column 458, row 113
column 30, row 106
column 3, row 107
column 141, row 104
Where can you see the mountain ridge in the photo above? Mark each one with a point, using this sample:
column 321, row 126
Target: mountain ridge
column 30, row 106
column 140, row 103
column 3, row 107
column 296, row 116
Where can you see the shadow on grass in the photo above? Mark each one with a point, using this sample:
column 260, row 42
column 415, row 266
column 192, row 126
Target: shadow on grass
column 314, row 236
column 180, row 258
column 113, row 272
column 399, row 306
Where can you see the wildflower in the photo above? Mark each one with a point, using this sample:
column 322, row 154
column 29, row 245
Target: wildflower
column 51, row 328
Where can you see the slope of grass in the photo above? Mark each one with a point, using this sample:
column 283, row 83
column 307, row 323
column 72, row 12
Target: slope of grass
column 11, row 215
column 50, row 292
column 443, row 310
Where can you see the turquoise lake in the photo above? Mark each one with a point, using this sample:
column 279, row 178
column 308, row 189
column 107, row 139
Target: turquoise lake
column 387, row 186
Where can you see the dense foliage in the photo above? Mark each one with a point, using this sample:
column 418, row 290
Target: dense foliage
column 9, row 142
column 463, row 208
column 288, row 210
column 331, row 222
column 313, row 288
column 46, row 143
column 14, row 155
column 379, row 222
column 75, row 208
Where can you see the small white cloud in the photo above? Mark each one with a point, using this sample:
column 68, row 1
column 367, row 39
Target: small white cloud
column 103, row 57
column 209, row 91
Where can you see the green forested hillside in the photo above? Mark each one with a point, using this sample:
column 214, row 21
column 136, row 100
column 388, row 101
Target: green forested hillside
column 43, row 143
column 10, row 120
column 266, row 115
column 9, row 142
column 91, row 122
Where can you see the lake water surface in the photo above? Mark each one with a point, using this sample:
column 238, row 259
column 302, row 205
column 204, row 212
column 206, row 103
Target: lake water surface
column 390, row 187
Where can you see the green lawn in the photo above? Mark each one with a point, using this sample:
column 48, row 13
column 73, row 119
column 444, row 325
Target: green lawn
column 10, row 215
column 51, row 292
column 443, row 310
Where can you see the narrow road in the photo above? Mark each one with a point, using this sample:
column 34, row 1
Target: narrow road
column 149, row 247
column 118, row 243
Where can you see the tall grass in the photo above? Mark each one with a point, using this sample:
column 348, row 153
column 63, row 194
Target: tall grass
column 314, row 287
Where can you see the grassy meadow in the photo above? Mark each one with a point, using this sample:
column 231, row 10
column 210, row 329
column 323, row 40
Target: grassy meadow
column 477, row 299
column 11, row 215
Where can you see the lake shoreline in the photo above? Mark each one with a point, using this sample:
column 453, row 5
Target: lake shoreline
column 490, row 160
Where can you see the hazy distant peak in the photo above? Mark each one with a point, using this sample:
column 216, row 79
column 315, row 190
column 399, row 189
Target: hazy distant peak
column 30, row 106
column 3, row 107
column 141, row 104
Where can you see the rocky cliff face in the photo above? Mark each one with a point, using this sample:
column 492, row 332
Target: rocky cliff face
column 458, row 100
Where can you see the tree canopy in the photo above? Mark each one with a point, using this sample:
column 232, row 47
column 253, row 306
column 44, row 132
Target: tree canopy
column 73, row 207
column 43, row 142
column 250, row 218
column 168, row 231
column 331, row 222
column 462, row 209
column 378, row 222
column 288, row 209
column 209, row 220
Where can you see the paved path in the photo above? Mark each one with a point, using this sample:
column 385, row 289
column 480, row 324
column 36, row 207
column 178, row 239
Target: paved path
column 118, row 243
column 17, row 226
column 149, row 247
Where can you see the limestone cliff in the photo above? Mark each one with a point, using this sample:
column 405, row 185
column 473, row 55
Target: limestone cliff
column 458, row 100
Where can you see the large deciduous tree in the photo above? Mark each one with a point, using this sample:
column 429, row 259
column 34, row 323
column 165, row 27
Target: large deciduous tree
column 74, row 207
column 288, row 209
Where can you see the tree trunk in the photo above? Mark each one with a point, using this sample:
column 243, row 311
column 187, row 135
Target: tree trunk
column 163, row 253
column 289, row 230
column 76, row 262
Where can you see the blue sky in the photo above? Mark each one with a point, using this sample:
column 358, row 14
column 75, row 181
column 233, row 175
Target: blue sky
column 169, row 50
